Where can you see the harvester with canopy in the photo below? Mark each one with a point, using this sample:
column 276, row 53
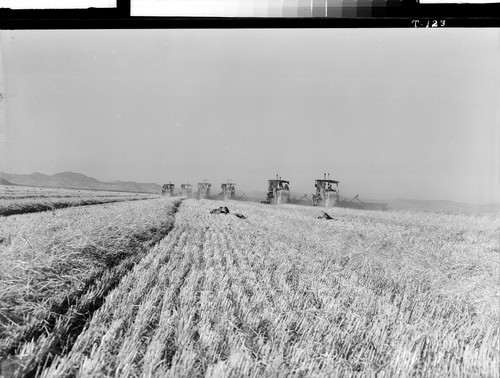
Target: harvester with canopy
column 327, row 192
column 278, row 191
column 186, row 190
column 168, row 190
column 228, row 190
column 203, row 190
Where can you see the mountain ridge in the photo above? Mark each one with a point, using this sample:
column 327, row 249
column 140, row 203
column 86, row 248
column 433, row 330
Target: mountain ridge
column 5, row 182
column 75, row 180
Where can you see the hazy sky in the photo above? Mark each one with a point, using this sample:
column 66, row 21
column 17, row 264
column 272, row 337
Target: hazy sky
column 390, row 113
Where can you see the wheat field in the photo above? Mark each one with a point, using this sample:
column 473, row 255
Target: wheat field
column 278, row 294
column 24, row 199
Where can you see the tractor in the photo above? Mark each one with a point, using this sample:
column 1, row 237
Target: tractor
column 228, row 190
column 277, row 190
column 203, row 190
column 327, row 192
column 168, row 189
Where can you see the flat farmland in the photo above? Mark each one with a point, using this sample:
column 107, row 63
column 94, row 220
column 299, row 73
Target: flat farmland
column 161, row 287
column 25, row 199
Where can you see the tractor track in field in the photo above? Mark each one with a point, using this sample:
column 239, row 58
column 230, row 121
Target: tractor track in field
column 39, row 207
column 55, row 334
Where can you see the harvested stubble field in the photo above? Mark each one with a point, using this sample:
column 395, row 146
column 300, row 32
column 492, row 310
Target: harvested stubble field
column 280, row 293
column 22, row 199
column 57, row 267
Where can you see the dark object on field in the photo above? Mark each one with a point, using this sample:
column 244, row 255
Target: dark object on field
column 225, row 210
column 220, row 210
column 326, row 216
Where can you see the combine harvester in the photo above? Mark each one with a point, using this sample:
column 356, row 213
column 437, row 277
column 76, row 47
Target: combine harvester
column 203, row 191
column 168, row 190
column 186, row 190
column 327, row 192
column 278, row 191
column 228, row 190
column 328, row 195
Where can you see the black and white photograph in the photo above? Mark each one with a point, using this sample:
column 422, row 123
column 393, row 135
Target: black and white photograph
column 250, row 202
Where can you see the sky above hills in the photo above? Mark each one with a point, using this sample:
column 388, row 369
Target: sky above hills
column 390, row 113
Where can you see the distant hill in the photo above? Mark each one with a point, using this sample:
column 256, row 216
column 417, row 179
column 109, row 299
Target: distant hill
column 441, row 206
column 73, row 180
column 5, row 182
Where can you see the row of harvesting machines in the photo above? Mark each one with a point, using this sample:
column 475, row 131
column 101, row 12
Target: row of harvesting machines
column 278, row 191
